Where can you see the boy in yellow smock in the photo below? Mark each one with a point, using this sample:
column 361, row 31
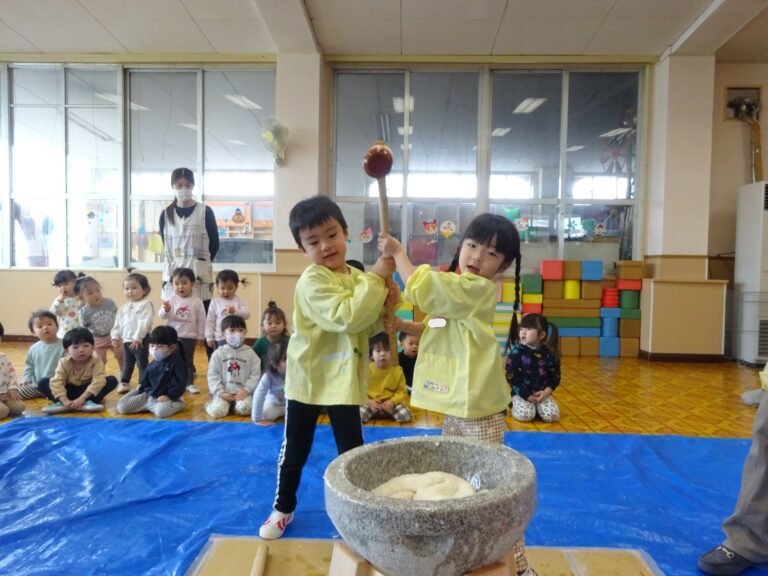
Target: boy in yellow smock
column 336, row 309
column 459, row 371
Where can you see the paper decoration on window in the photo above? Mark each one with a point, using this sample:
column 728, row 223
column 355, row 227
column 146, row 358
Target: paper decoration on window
column 366, row 235
column 447, row 228
column 430, row 226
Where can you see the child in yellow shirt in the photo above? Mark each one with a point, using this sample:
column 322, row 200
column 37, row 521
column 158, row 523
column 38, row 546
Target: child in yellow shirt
column 386, row 388
column 336, row 308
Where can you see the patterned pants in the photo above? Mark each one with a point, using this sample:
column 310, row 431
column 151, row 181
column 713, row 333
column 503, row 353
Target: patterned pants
column 400, row 413
column 491, row 429
column 136, row 401
column 30, row 390
column 525, row 411
column 219, row 408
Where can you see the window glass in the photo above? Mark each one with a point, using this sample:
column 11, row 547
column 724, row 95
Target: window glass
column 363, row 225
column 598, row 232
column 92, row 237
column 525, row 135
column 537, row 226
column 92, row 86
column 435, row 230
column 37, row 85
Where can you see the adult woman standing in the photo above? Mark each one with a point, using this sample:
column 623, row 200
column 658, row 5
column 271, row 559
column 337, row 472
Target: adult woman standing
column 190, row 236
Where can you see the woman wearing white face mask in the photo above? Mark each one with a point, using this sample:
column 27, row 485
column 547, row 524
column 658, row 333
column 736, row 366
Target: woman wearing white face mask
column 190, row 236
column 233, row 372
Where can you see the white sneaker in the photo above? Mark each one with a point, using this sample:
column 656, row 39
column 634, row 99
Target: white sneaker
column 91, row 406
column 275, row 525
column 123, row 387
column 192, row 389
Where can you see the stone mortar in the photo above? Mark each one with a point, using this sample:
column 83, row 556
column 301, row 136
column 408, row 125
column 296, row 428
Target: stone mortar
column 420, row 538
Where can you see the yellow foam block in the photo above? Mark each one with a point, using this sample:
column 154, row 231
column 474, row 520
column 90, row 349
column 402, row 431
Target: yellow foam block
column 533, row 298
column 571, row 289
column 508, row 292
column 406, row 305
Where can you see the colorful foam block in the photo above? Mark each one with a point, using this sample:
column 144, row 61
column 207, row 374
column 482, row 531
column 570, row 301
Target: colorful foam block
column 629, row 347
column 406, row 305
column 629, row 299
column 622, row 284
column 532, row 308
column 551, row 269
column 508, row 291
column 610, row 312
column 591, row 269
column 571, row 289
column 629, row 269
column 553, row 289
column 532, row 283
column 405, row 314
column 571, row 312
column 562, row 303
column 633, row 313
column 569, row 346
column 589, row 346
column 609, row 347
column 572, row 269
column 629, row 328
column 505, row 307
column 591, row 290
column 533, row 298
column 610, row 327
column 580, row 332
column 561, row 322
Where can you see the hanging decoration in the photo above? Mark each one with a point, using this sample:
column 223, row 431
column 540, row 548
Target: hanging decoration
column 447, row 229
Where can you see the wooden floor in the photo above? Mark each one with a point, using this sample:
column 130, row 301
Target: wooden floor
column 626, row 395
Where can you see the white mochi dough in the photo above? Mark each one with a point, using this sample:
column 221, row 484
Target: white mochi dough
column 427, row 486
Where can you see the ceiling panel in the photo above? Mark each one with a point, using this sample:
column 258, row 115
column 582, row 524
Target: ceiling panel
column 520, row 36
column 635, row 36
column 68, row 35
column 222, row 9
column 11, row 41
column 353, row 9
column 749, row 44
column 238, row 36
column 448, row 36
column 45, row 9
column 150, row 36
column 658, row 9
column 562, row 9
column 135, row 9
column 453, row 9
column 358, row 36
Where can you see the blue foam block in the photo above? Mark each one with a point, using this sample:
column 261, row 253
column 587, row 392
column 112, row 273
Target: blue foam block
column 591, row 269
column 610, row 327
column 609, row 347
column 580, row 332
column 610, row 312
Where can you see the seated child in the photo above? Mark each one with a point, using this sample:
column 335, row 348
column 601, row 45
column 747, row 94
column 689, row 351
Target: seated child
column 410, row 334
column 233, row 372
column 79, row 382
column 533, row 370
column 10, row 400
column 269, row 398
column 386, row 385
column 163, row 382
column 273, row 328
column 43, row 356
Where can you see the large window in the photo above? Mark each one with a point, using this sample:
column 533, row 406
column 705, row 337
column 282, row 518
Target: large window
column 553, row 151
column 87, row 141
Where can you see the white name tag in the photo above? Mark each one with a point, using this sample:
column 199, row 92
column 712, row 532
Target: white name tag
column 437, row 323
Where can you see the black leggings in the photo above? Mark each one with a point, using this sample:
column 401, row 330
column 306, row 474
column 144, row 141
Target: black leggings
column 134, row 357
column 300, row 423
column 75, row 391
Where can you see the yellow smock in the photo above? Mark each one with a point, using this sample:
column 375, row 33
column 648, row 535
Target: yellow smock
column 387, row 384
column 333, row 317
column 458, row 370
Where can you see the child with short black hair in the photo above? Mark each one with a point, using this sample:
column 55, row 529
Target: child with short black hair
column 185, row 312
column 227, row 303
column 409, row 336
column 233, row 372
column 273, row 328
column 43, row 356
column 336, row 309
column 386, row 388
column 98, row 315
column 132, row 326
column 66, row 306
column 79, row 383
column 269, row 397
column 163, row 382
column 533, row 369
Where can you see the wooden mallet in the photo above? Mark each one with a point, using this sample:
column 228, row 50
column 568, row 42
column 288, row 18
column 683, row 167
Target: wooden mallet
column 377, row 163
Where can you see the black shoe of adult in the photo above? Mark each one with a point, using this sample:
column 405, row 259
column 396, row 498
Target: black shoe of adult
column 722, row 561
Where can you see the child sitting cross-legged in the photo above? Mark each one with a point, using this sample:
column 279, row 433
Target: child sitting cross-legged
column 163, row 382
column 233, row 372
column 79, row 382
column 386, row 386
column 269, row 398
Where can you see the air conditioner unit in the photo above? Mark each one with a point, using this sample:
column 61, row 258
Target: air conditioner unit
column 751, row 275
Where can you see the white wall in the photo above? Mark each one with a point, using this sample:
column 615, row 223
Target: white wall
column 731, row 164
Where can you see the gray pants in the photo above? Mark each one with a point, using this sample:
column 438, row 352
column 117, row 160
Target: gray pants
column 746, row 529
column 137, row 401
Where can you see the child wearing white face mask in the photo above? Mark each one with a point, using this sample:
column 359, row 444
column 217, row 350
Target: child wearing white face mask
column 233, row 372
column 163, row 382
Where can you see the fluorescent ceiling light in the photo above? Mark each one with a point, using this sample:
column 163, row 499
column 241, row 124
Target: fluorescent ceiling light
column 399, row 104
column 528, row 105
column 242, row 101
column 189, row 125
column 401, row 130
column 574, row 148
column 499, row 132
column 615, row 132
column 115, row 99
column 236, row 142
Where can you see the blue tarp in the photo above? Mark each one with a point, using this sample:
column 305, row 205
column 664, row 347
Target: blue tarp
column 100, row 496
